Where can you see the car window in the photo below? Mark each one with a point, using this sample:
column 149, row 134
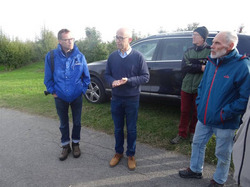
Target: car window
column 174, row 48
column 209, row 41
column 146, row 48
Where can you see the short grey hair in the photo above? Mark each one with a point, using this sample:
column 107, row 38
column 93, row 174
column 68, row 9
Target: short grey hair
column 59, row 35
column 231, row 37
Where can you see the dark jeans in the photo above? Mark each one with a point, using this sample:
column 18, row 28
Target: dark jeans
column 125, row 109
column 62, row 108
column 188, row 108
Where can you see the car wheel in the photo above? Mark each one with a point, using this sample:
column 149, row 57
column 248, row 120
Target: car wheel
column 95, row 92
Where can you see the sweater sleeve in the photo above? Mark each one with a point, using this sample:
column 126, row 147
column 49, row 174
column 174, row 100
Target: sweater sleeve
column 108, row 75
column 143, row 76
column 190, row 65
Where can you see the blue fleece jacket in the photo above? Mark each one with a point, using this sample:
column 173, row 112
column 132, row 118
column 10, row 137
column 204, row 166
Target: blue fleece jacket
column 133, row 67
column 224, row 90
column 71, row 76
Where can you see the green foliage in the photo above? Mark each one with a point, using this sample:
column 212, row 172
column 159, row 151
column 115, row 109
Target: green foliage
column 46, row 42
column 111, row 46
column 92, row 47
column 3, row 51
column 15, row 53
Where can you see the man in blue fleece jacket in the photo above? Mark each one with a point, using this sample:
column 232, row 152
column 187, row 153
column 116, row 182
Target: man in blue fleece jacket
column 222, row 98
column 126, row 70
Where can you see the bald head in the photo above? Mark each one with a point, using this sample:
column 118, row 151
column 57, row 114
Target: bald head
column 123, row 39
column 124, row 32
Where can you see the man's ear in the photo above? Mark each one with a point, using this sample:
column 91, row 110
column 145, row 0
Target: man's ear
column 231, row 46
column 130, row 40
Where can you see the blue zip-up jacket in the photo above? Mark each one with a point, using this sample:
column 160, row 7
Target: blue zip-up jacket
column 71, row 76
column 133, row 67
column 224, row 90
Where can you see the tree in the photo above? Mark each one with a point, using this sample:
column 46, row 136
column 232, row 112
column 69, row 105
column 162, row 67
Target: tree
column 190, row 27
column 92, row 47
column 47, row 42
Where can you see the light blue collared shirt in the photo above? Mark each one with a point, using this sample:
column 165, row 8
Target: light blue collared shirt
column 126, row 53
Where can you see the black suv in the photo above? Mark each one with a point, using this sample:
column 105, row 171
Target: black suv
column 163, row 54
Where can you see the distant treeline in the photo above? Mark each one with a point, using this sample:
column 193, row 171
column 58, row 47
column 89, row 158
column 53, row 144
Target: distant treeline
column 16, row 53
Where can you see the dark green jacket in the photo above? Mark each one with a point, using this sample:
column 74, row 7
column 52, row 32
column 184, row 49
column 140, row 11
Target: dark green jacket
column 193, row 59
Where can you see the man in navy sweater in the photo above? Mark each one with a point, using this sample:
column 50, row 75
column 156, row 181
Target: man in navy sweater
column 126, row 70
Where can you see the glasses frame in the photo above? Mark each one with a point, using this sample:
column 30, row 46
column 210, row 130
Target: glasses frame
column 120, row 38
column 67, row 40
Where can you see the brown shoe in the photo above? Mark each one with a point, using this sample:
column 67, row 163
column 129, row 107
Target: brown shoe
column 131, row 163
column 65, row 152
column 76, row 150
column 213, row 183
column 115, row 160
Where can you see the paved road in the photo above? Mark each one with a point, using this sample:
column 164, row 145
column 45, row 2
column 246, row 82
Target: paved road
column 30, row 148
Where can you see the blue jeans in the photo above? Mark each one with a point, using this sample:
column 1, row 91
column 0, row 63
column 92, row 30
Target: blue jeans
column 125, row 109
column 223, row 150
column 62, row 108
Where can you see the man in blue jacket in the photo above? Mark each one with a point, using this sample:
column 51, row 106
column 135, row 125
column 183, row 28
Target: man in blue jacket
column 67, row 79
column 222, row 99
column 126, row 70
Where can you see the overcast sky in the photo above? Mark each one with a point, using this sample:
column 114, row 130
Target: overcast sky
column 25, row 18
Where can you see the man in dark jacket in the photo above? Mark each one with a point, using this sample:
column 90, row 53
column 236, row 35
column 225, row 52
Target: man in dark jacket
column 222, row 99
column 194, row 62
column 126, row 70
column 67, row 82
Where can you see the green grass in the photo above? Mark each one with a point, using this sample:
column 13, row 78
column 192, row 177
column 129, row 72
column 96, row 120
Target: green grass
column 158, row 120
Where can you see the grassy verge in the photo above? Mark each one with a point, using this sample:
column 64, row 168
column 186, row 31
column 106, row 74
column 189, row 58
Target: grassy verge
column 22, row 89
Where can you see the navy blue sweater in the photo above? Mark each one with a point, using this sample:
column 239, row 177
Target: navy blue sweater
column 133, row 67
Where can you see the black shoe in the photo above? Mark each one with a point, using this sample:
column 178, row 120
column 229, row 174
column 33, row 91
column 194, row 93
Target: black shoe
column 188, row 173
column 65, row 152
column 177, row 139
column 76, row 150
column 213, row 183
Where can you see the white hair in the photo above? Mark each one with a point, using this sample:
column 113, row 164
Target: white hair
column 231, row 37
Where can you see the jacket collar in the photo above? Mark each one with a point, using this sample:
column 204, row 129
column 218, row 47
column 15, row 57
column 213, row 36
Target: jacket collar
column 199, row 48
column 225, row 59
column 69, row 53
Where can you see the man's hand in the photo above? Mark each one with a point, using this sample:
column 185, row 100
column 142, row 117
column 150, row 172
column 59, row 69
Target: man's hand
column 203, row 68
column 119, row 82
column 54, row 95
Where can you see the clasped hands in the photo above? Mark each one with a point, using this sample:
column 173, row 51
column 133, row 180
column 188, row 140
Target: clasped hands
column 119, row 82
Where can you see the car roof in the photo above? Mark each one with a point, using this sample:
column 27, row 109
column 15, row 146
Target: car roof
column 244, row 39
column 181, row 34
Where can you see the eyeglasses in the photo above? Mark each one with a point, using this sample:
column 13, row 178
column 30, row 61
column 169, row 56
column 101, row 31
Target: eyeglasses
column 196, row 35
column 120, row 38
column 67, row 40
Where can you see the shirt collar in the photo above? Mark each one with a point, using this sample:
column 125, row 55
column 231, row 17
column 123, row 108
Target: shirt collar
column 126, row 53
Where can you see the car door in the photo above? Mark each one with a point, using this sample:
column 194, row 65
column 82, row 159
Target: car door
column 147, row 48
column 166, row 74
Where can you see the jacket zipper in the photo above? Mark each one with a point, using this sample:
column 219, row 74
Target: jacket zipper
column 205, row 115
